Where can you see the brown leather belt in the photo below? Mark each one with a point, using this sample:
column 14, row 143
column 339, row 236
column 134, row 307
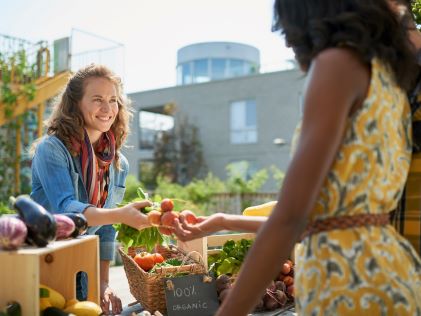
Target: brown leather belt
column 344, row 222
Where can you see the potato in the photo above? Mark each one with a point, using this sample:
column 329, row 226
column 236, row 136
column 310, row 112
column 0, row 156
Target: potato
column 222, row 282
column 280, row 286
column 270, row 302
column 281, row 297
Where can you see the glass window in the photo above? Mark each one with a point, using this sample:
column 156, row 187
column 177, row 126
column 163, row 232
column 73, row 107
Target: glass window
column 218, row 68
column 236, row 67
column 243, row 118
column 186, row 74
column 150, row 124
column 179, row 74
column 201, row 73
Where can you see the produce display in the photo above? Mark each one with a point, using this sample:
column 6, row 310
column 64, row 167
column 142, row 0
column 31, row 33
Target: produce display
column 226, row 265
column 34, row 225
column 53, row 303
column 40, row 223
column 230, row 258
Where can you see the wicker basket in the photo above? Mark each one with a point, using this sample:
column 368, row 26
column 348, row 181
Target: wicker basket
column 148, row 288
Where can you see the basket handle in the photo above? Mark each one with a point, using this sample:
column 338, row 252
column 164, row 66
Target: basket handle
column 187, row 256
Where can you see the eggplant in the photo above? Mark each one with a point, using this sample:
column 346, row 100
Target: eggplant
column 13, row 309
column 54, row 311
column 40, row 223
column 81, row 224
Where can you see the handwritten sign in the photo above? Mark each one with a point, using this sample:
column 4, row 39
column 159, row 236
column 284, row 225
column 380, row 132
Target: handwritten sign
column 191, row 295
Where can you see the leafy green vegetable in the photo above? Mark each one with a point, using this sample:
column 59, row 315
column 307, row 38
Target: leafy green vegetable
column 131, row 237
column 5, row 209
column 229, row 260
column 167, row 263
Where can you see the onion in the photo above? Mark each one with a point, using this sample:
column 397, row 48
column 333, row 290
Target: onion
column 65, row 226
column 13, row 232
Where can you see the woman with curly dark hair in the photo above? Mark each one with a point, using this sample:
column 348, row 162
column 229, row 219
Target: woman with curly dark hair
column 78, row 166
column 347, row 173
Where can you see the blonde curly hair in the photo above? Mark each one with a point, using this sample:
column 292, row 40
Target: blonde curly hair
column 66, row 121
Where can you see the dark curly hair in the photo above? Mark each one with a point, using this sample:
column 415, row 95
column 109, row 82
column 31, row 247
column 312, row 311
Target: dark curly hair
column 368, row 26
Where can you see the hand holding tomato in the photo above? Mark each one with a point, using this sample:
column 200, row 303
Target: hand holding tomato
column 167, row 205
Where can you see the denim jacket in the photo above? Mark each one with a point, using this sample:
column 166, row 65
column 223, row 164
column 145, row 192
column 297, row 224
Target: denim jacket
column 58, row 186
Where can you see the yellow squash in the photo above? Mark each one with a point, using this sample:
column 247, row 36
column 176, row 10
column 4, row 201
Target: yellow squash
column 44, row 302
column 84, row 308
column 55, row 298
column 260, row 210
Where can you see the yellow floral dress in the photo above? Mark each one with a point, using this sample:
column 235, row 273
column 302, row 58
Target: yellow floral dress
column 364, row 270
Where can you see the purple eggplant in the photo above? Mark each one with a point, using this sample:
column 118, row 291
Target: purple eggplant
column 40, row 223
column 81, row 224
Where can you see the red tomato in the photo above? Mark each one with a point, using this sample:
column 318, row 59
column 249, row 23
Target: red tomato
column 189, row 216
column 158, row 258
column 145, row 260
column 167, row 205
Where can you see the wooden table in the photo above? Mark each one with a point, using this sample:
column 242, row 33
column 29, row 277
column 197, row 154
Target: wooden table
column 55, row 265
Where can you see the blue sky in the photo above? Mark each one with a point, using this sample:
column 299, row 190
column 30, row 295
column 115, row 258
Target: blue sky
column 150, row 30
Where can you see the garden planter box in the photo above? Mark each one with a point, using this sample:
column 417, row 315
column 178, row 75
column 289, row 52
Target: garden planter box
column 55, row 265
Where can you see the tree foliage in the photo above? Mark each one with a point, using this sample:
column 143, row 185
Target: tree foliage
column 178, row 154
column 416, row 10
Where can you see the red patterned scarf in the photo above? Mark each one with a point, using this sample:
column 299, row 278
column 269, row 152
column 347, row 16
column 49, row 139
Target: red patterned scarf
column 95, row 164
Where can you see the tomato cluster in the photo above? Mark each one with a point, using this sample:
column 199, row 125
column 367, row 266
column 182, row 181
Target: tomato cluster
column 146, row 260
column 164, row 217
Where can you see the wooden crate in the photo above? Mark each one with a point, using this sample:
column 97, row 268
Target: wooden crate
column 55, row 265
column 212, row 244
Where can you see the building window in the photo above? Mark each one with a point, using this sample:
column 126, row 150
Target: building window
column 150, row 124
column 243, row 122
column 218, row 68
column 187, row 74
column 201, row 72
column 236, row 68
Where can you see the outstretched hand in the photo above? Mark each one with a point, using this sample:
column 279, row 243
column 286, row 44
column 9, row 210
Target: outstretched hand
column 204, row 227
column 134, row 217
column 109, row 299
